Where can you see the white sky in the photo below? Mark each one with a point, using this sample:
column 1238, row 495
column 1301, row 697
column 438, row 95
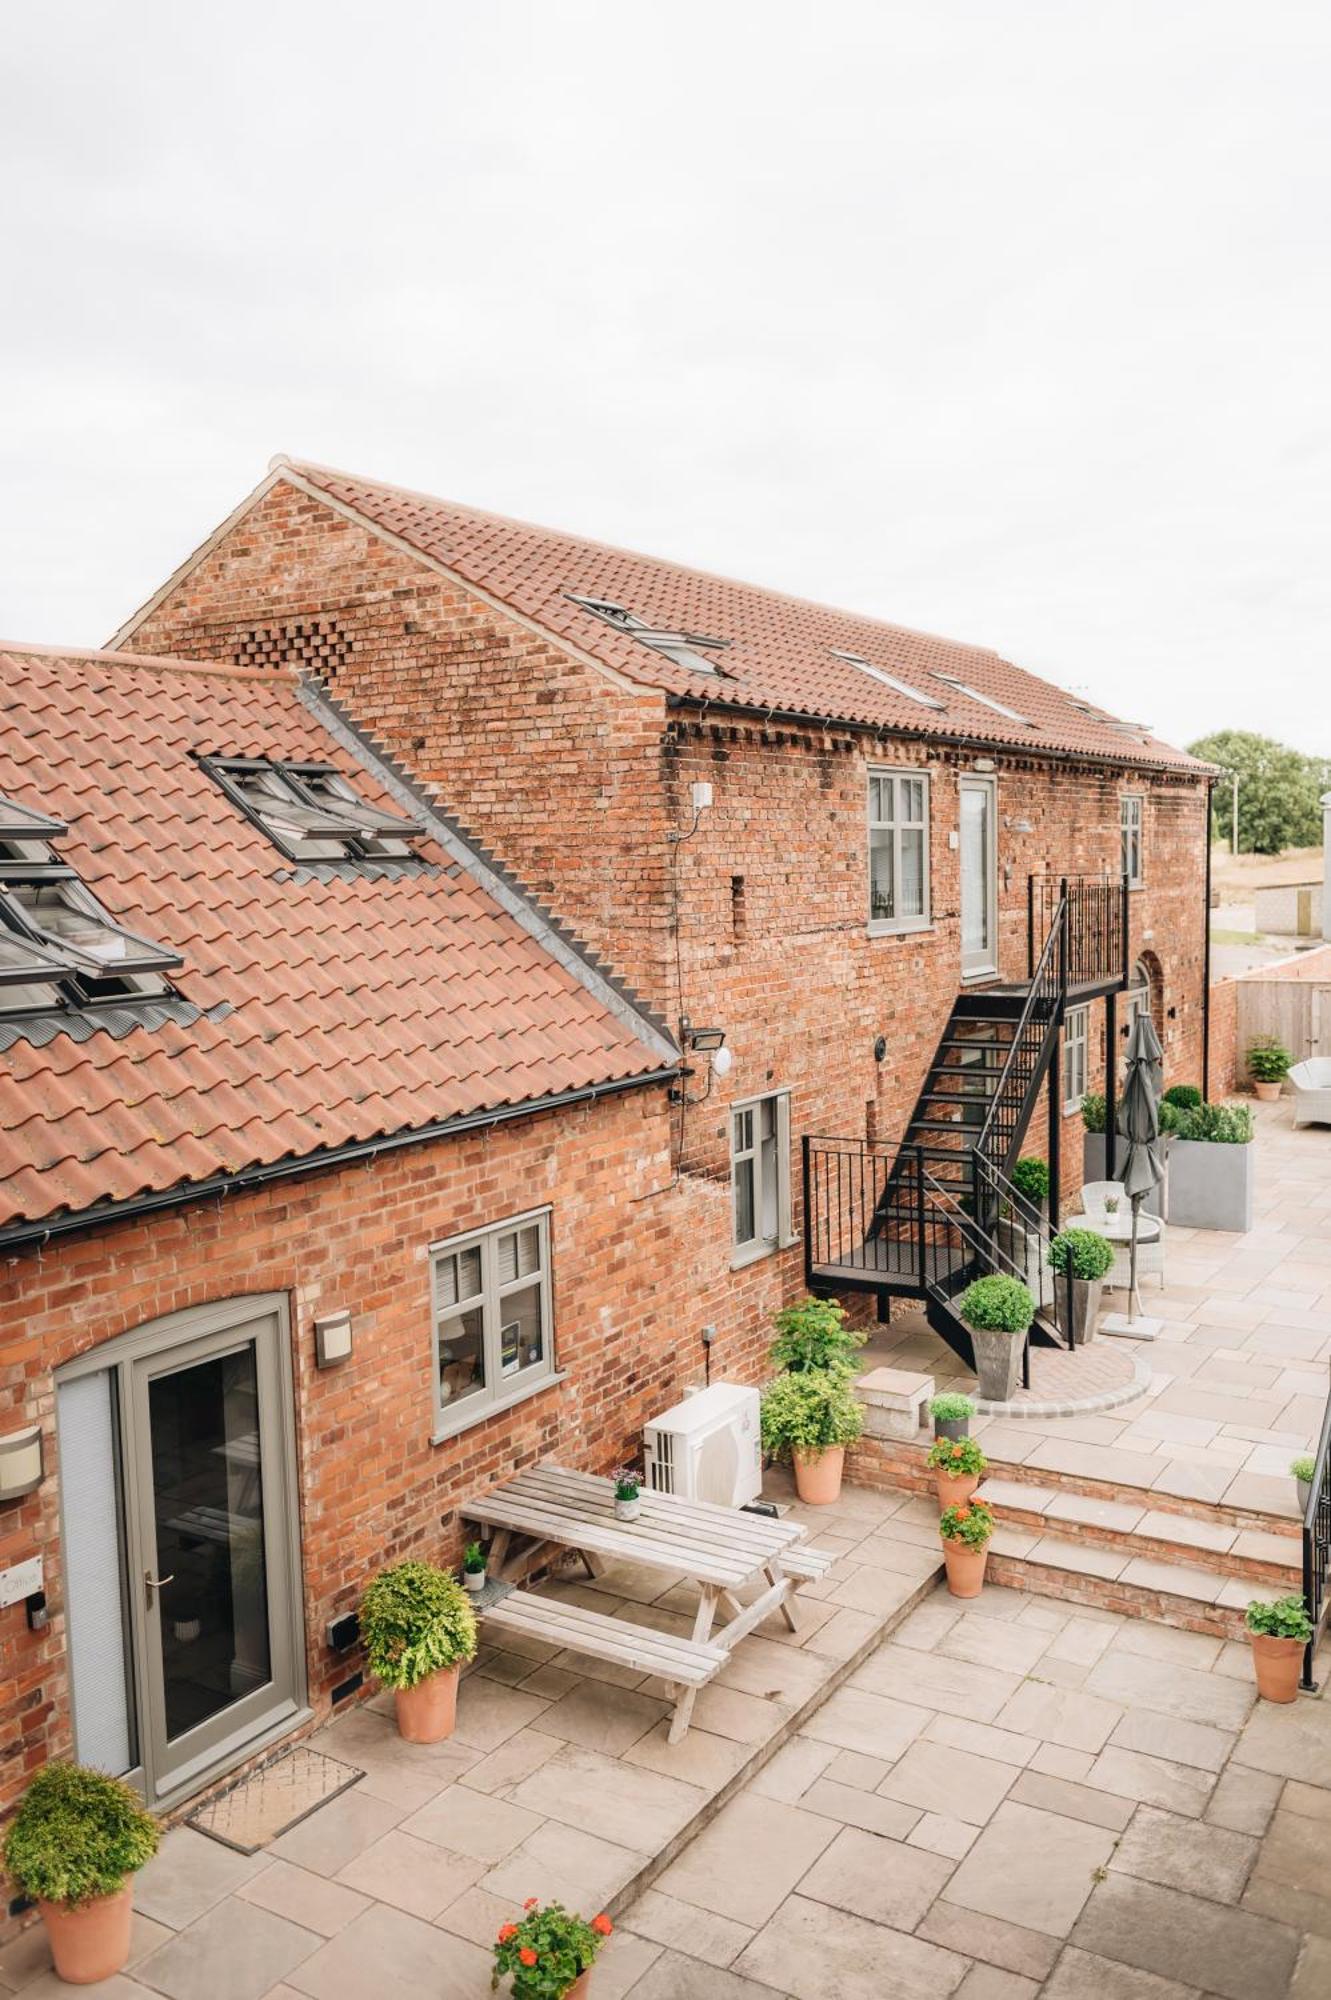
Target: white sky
column 1012, row 321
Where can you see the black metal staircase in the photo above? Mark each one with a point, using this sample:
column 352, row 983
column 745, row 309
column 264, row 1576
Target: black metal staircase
column 922, row 1218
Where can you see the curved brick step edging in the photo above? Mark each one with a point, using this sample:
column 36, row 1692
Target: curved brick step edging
column 1026, row 1406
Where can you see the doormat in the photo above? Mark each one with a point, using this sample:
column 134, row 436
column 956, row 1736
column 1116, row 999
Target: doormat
column 265, row 1804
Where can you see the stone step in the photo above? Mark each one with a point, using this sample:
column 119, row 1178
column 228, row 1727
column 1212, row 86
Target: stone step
column 1186, row 1595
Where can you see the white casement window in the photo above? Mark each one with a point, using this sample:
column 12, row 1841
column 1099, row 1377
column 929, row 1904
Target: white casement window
column 1130, row 826
column 760, row 1174
column 898, row 850
column 1076, row 1024
column 492, row 1319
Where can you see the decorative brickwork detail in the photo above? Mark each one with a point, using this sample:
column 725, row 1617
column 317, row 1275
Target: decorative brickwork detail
column 312, row 645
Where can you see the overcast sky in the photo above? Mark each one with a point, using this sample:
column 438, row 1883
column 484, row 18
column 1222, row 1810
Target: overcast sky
column 1005, row 319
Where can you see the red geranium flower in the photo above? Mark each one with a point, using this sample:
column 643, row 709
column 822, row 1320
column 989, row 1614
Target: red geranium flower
column 956, row 1451
column 527, row 1955
column 602, row 1924
column 507, row 1931
column 530, row 1903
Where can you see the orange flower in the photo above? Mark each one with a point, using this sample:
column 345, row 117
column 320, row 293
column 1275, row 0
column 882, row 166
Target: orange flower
column 956, row 1451
column 530, row 1903
column 507, row 1931
column 602, row 1924
column 527, row 1955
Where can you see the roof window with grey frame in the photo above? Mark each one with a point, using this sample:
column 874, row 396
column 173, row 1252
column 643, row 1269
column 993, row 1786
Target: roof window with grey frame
column 690, row 650
column 59, row 946
column 310, row 812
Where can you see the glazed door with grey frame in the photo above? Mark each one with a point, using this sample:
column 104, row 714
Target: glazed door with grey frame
column 979, row 878
column 185, row 1630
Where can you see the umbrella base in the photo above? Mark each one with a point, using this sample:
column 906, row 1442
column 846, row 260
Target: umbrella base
column 1128, row 1328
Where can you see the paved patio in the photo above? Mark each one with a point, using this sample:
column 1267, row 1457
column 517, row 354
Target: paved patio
column 1240, row 1374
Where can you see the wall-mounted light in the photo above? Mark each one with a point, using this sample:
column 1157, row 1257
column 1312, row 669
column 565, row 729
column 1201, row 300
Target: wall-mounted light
column 22, row 1463
column 705, row 1040
column 332, row 1340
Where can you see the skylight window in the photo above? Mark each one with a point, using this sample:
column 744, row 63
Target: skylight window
column 58, row 944
column 985, row 700
column 680, row 647
column 310, row 812
column 888, row 680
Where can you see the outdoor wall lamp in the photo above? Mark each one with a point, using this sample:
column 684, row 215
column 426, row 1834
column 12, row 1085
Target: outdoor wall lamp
column 22, row 1463
column 705, row 1040
column 332, row 1340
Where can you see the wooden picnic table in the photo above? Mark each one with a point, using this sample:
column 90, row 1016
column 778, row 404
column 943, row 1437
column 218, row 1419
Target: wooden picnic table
column 721, row 1548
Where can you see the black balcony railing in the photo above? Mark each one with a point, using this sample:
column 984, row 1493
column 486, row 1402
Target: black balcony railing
column 1317, row 1543
column 1097, row 940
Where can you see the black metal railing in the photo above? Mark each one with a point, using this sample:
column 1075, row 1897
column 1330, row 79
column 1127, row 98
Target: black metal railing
column 955, row 1247
column 1022, row 1235
column 1029, row 1050
column 1317, row 1544
column 1097, row 945
column 859, row 1209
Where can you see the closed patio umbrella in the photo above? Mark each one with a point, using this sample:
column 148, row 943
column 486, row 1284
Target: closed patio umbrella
column 1139, row 1124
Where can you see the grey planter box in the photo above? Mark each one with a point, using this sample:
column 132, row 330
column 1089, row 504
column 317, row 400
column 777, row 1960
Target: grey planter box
column 1078, row 1305
column 997, row 1363
column 1210, row 1186
column 1093, row 1169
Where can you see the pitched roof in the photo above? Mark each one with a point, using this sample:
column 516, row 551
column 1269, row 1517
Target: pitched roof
column 335, row 1005
column 781, row 652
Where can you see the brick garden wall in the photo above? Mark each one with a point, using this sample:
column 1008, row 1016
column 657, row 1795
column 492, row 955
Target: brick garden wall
column 638, row 1268
column 1224, row 1073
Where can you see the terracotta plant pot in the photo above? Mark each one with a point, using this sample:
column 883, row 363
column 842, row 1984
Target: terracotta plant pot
column 818, row 1476
column 90, row 1941
column 1267, row 1093
column 965, row 1568
column 954, row 1488
column 581, row 1986
column 427, row 1712
column 1276, row 1663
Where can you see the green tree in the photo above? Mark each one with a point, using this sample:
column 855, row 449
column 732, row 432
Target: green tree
column 1279, row 789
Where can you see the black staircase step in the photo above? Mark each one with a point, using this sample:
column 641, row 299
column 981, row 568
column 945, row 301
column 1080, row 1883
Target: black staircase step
column 957, row 1125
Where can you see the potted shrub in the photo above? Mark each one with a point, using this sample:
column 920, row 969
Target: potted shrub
column 812, row 1334
column 1268, row 1066
column 473, row 1567
column 957, row 1464
column 1018, row 1230
column 997, row 1311
column 418, row 1630
column 1183, row 1096
column 1303, row 1470
column 1278, row 1634
column 966, row 1531
column 628, row 1494
column 814, row 1417
column 75, row 1845
column 1080, row 1259
column 1211, row 1168
column 951, row 1414
column 1030, row 1177
column 548, row 1953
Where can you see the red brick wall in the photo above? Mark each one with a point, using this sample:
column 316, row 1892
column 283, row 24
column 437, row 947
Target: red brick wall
column 1225, row 1078
column 638, row 1266
column 575, row 782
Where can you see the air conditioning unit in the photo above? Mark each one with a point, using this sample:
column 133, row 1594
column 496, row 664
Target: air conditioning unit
column 708, row 1447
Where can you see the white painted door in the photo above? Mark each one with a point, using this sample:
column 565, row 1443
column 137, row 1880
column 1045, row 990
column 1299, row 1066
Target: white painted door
column 979, row 879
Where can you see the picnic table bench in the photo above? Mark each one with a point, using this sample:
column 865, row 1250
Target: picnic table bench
column 723, row 1550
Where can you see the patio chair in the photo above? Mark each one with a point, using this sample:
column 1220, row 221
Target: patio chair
column 1312, row 1091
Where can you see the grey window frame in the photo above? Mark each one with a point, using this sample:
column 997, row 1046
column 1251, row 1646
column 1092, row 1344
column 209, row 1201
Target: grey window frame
column 1071, row 1042
column 1132, row 840
column 898, row 926
column 679, row 647
column 351, row 823
column 500, row 1392
column 757, row 1246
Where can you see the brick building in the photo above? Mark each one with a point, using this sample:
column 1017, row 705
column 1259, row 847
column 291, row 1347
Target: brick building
column 891, row 815
column 288, row 1074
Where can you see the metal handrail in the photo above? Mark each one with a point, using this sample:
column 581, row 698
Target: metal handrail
column 1042, row 1012
column 982, row 1250
column 1098, row 908
column 994, row 1193
column 1317, row 1545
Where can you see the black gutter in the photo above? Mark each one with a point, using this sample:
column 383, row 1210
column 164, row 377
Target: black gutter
column 24, row 1235
column 1206, row 955
column 925, row 733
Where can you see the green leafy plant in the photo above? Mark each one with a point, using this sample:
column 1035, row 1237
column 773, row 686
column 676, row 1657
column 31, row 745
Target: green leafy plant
column 1080, row 1253
column 77, row 1835
column 971, row 1523
column 1169, row 1115
column 1031, row 1178
column 415, row 1619
column 546, row 1950
column 812, row 1334
column 1183, row 1096
column 959, row 1456
column 997, row 1305
column 809, row 1414
column 1217, row 1125
column 1287, row 1618
column 627, row 1484
column 473, row 1559
column 1304, row 1469
column 1093, row 1111
column 951, row 1408
column 1269, row 1060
